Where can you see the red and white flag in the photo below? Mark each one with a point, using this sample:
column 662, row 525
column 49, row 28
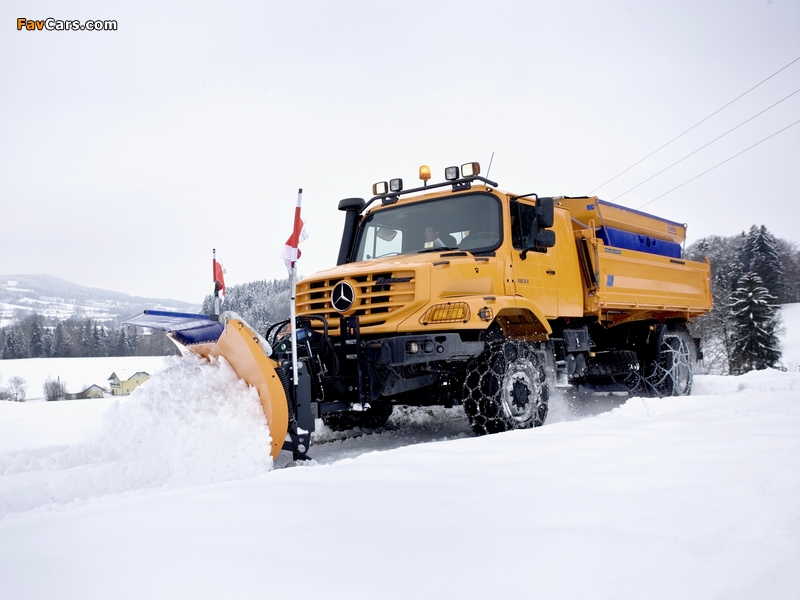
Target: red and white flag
column 291, row 252
column 219, row 280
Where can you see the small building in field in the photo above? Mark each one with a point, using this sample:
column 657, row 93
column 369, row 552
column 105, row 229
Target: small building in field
column 93, row 391
column 122, row 386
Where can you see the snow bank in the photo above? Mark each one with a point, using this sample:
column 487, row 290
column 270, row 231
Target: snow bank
column 194, row 423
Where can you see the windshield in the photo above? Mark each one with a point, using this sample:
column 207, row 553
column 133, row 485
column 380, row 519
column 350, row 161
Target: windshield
column 466, row 222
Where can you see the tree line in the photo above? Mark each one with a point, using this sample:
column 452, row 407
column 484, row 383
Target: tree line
column 751, row 274
column 36, row 336
column 260, row 303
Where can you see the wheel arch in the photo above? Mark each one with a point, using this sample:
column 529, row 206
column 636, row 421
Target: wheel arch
column 523, row 322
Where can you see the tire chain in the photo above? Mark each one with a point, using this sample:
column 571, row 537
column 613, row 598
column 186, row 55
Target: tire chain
column 658, row 378
column 483, row 385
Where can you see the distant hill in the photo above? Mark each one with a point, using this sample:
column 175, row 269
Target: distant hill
column 53, row 297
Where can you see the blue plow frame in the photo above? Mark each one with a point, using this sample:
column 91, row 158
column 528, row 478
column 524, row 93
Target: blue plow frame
column 186, row 328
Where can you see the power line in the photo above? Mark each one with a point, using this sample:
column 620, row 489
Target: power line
column 720, row 164
column 708, row 144
column 696, row 124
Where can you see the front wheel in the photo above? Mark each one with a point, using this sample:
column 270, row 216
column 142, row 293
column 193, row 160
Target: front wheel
column 505, row 388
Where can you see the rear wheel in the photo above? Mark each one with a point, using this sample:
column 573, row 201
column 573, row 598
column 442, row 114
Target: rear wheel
column 505, row 388
column 671, row 373
column 372, row 418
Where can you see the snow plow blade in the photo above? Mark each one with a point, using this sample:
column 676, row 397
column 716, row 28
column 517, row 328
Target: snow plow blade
column 233, row 339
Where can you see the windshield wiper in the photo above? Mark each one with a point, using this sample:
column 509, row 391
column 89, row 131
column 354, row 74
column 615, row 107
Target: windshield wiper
column 442, row 249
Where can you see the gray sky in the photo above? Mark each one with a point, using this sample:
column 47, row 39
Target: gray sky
column 126, row 156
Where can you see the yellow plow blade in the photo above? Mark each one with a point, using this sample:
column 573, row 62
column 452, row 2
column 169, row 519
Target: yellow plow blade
column 241, row 349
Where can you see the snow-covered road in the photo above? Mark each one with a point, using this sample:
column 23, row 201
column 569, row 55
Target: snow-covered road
column 694, row 497
column 168, row 494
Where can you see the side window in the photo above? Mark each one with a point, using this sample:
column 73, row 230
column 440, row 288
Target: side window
column 523, row 219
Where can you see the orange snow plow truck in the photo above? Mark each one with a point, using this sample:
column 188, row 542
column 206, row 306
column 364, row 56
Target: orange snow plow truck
column 458, row 293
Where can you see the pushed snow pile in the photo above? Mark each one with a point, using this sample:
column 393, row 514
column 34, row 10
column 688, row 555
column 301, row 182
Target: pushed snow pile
column 191, row 424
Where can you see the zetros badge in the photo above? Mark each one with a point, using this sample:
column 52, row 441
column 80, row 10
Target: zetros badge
column 343, row 296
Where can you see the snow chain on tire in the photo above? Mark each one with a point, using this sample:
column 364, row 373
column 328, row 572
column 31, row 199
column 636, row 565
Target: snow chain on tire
column 671, row 373
column 506, row 387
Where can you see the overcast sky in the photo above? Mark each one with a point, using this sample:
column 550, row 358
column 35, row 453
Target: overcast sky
column 126, row 156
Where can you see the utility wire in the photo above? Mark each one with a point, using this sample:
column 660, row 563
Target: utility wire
column 708, row 144
column 696, row 124
column 720, row 164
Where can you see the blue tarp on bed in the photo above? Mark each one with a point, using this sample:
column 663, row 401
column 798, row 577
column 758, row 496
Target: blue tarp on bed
column 636, row 241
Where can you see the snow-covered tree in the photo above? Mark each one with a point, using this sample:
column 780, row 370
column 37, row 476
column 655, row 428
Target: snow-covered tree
column 760, row 255
column 62, row 342
column 790, row 261
column 14, row 347
column 54, row 389
column 16, row 389
column 260, row 303
column 754, row 323
column 37, row 347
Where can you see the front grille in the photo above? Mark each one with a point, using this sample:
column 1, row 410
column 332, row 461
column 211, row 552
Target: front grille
column 377, row 295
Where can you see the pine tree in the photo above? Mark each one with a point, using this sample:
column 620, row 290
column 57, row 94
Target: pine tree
column 790, row 265
column 62, row 343
column 85, row 344
column 96, row 343
column 37, row 347
column 762, row 257
column 48, row 341
column 14, row 346
column 121, row 343
column 754, row 323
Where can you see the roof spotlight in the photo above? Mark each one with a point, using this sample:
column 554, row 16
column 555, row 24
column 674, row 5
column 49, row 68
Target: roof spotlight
column 471, row 169
column 379, row 189
column 396, row 185
column 451, row 173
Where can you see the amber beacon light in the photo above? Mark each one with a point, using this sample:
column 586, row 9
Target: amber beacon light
column 425, row 173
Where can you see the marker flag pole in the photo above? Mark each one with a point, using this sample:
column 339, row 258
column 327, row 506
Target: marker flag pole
column 298, row 234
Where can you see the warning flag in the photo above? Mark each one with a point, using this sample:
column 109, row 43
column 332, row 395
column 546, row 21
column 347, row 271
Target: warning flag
column 291, row 252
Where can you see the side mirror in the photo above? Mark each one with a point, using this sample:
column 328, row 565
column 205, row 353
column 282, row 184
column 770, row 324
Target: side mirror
column 545, row 238
column 545, row 212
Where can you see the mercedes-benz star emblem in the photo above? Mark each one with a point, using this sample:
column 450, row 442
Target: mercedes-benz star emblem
column 343, row 296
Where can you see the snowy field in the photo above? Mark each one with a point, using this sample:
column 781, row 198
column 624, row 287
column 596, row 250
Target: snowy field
column 168, row 494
